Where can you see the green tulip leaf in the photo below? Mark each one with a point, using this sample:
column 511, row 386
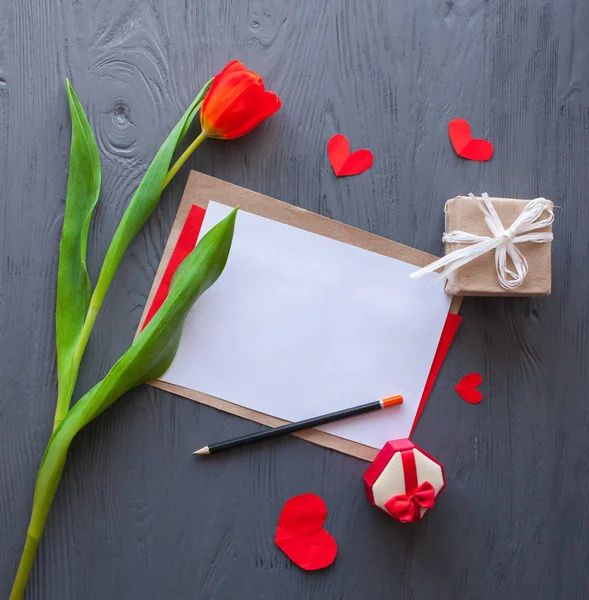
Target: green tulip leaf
column 74, row 288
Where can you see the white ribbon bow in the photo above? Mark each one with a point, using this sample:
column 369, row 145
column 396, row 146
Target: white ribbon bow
column 503, row 242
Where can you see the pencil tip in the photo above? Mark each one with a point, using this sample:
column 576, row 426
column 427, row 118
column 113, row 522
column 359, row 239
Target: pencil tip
column 203, row 450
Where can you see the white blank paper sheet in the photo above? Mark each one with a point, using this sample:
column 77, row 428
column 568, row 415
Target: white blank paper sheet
column 299, row 325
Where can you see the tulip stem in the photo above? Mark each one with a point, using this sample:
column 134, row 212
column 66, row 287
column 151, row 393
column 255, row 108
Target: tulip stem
column 185, row 155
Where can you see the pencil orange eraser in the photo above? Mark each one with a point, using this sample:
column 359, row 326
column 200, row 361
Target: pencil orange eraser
column 392, row 401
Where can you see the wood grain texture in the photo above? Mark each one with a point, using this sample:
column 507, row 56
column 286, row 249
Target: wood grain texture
column 136, row 516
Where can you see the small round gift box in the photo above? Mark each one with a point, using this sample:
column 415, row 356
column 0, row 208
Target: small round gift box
column 403, row 481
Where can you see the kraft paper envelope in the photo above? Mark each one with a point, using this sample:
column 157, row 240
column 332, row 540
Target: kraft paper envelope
column 201, row 189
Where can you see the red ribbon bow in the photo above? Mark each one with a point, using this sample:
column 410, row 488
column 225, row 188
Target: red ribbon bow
column 406, row 507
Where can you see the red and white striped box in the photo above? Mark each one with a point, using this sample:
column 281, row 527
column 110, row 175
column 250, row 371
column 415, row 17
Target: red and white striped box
column 404, row 481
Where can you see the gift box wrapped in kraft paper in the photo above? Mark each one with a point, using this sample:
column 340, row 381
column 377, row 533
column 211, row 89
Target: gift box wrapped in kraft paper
column 496, row 247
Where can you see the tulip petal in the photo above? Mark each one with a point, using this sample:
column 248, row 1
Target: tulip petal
column 236, row 103
column 270, row 104
column 231, row 67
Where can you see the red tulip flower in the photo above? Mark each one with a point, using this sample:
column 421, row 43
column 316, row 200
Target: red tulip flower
column 236, row 103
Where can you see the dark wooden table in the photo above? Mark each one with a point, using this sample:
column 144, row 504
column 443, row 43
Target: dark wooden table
column 136, row 516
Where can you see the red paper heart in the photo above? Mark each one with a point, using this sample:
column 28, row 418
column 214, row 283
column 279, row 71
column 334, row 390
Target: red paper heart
column 300, row 534
column 465, row 145
column 344, row 163
column 466, row 388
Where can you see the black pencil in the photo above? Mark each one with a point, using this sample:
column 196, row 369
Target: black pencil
column 306, row 424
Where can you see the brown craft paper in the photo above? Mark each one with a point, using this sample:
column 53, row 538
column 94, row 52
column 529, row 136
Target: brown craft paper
column 202, row 188
column 479, row 277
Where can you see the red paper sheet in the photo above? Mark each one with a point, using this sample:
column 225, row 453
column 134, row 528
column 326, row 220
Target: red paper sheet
column 184, row 246
column 448, row 333
column 187, row 242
